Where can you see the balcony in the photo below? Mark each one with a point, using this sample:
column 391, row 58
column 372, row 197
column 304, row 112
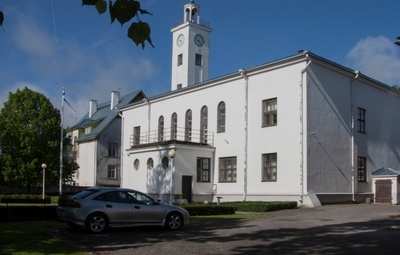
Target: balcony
column 168, row 136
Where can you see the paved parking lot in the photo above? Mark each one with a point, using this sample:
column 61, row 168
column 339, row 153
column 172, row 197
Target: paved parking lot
column 331, row 229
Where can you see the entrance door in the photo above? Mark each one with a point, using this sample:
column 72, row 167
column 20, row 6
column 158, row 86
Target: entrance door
column 383, row 189
column 187, row 188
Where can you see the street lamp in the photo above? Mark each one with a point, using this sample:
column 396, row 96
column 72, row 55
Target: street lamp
column 44, row 174
column 172, row 154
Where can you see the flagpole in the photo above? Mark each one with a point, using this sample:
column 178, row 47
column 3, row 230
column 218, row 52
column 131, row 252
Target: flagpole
column 62, row 140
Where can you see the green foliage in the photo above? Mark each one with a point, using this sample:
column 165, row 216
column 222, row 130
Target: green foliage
column 262, row 206
column 29, row 136
column 124, row 11
column 211, row 209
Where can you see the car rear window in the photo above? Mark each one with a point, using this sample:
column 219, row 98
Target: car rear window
column 85, row 193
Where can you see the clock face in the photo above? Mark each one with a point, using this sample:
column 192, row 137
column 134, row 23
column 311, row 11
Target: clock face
column 199, row 40
column 180, row 40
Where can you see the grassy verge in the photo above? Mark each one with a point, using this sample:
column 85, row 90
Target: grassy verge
column 27, row 238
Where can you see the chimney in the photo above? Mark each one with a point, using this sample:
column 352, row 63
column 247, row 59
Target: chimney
column 92, row 107
column 114, row 99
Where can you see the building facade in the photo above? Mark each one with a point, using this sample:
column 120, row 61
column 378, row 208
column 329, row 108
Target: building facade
column 301, row 128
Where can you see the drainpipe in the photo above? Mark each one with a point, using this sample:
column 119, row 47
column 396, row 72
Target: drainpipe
column 246, row 130
column 121, row 148
column 353, row 179
column 302, row 129
column 148, row 118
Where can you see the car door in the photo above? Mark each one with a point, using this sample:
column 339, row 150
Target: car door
column 118, row 207
column 146, row 210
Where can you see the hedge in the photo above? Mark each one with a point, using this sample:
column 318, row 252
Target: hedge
column 209, row 209
column 258, row 206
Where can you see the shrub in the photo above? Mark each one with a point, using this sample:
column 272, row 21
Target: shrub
column 210, row 209
column 258, row 206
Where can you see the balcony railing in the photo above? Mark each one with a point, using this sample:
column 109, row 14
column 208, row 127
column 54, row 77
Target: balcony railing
column 179, row 135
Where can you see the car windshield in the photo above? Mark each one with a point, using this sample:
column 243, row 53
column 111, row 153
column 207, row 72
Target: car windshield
column 85, row 193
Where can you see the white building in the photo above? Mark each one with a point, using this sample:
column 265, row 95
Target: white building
column 301, row 128
column 97, row 142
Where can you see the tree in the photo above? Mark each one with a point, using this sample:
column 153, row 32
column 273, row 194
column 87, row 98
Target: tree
column 29, row 136
column 123, row 11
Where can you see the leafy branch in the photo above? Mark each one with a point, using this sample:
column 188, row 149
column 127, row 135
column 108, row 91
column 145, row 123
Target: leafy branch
column 123, row 11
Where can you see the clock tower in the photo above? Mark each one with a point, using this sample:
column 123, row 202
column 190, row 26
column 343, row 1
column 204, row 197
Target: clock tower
column 190, row 49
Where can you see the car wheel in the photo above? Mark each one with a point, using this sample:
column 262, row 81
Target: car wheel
column 173, row 221
column 96, row 223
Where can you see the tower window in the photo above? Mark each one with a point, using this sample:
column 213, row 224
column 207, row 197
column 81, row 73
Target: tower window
column 180, row 59
column 199, row 60
column 179, row 86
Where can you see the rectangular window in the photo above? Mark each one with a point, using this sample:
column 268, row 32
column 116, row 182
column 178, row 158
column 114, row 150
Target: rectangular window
column 113, row 149
column 180, row 59
column 270, row 167
column 227, row 169
column 362, row 169
column 112, row 172
column 203, row 169
column 199, row 60
column 270, row 112
column 361, row 120
column 136, row 135
column 179, row 86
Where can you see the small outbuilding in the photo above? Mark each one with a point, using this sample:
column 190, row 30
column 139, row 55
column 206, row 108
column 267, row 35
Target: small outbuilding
column 386, row 186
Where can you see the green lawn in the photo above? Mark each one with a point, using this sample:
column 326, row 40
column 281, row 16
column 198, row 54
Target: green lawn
column 21, row 238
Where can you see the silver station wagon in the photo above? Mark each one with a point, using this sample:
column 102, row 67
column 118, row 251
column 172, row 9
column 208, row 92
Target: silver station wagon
column 96, row 209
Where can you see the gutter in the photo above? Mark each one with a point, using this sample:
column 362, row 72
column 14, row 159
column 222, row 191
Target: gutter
column 246, row 130
column 353, row 181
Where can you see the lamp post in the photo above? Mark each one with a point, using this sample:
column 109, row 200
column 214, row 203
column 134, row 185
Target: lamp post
column 44, row 174
column 172, row 154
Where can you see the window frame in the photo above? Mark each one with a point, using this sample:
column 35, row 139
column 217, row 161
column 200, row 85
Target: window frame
column 203, row 167
column 136, row 135
column 180, row 59
column 362, row 169
column 361, row 118
column 174, row 126
column 270, row 117
column 112, row 149
column 223, row 173
column 188, row 125
column 161, row 128
column 198, row 59
column 269, row 169
column 112, row 169
column 221, row 118
column 203, row 124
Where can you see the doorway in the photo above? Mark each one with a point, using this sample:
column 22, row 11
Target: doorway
column 187, row 188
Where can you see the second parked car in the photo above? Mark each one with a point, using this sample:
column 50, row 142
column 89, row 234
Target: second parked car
column 96, row 209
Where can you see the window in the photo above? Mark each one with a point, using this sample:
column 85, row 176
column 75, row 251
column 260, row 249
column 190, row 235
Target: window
column 112, row 172
column 180, row 59
column 165, row 162
column 188, row 126
column 150, row 164
column 113, row 149
column 361, row 120
column 136, row 135
column 204, row 124
column 221, row 118
column 179, row 86
column 199, row 60
column 174, row 126
column 227, row 169
column 161, row 129
column 270, row 112
column 203, row 169
column 136, row 164
column 270, row 167
column 362, row 169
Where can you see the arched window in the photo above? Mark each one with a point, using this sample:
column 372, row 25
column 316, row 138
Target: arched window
column 174, row 126
column 161, row 128
column 221, row 117
column 203, row 124
column 188, row 126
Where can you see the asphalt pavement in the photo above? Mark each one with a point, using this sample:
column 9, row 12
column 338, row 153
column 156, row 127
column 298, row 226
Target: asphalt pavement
column 330, row 229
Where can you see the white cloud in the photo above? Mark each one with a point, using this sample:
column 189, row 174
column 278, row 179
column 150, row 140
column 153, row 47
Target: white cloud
column 377, row 57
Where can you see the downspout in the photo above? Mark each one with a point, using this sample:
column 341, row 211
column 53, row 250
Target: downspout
column 121, row 149
column 353, row 179
column 148, row 119
column 302, row 129
column 246, row 130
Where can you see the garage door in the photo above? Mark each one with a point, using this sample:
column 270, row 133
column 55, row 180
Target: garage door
column 383, row 189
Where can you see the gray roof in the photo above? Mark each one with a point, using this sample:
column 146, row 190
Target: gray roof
column 104, row 115
column 386, row 171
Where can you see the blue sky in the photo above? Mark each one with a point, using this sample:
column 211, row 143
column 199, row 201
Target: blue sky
column 50, row 44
